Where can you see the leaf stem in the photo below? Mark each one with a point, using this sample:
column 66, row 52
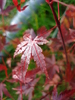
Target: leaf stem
column 64, row 4
column 58, row 25
column 58, row 11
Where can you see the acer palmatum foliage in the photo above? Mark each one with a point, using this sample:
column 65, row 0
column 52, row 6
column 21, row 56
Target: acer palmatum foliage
column 3, row 67
column 27, row 89
column 58, row 74
column 65, row 95
column 18, row 73
column 7, row 10
column 11, row 28
column 30, row 49
column 4, row 90
column 18, row 6
column 2, row 4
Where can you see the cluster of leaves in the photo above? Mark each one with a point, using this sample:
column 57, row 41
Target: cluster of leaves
column 48, row 73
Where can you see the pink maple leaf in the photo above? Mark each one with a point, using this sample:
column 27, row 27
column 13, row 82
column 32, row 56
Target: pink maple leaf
column 29, row 48
column 3, row 89
column 19, row 74
column 26, row 89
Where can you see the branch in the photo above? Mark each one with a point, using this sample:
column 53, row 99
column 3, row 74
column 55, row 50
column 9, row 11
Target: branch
column 58, row 25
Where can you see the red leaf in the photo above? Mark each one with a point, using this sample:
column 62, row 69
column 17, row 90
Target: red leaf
column 18, row 5
column 74, row 21
column 2, row 42
column 70, row 76
column 48, row 1
column 19, row 74
column 32, row 72
column 2, row 4
column 7, row 10
column 26, row 89
column 52, row 67
column 52, row 70
column 68, row 35
column 31, row 32
column 63, row 95
column 12, row 80
column 29, row 48
column 11, row 28
column 70, row 13
column 3, row 67
column 43, row 31
column 3, row 89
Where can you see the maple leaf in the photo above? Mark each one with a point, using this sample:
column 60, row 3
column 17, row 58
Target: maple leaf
column 70, row 76
column 29, row 48
column 3, row 89
column 45, row 96
column 71, row 13
column 68, row 35
column 44, row 32
column 3, row 67
column 11, row 28
column 26, row 89
column 72, row 49
column 18, row 5
column 7, row 10
column 19, row 73
column 51, row 66
column 2, row 4
column 65, row 95
column 52, row 69
column 41, row 32
column 72, row 34
column 2, row 42
column 31, row 32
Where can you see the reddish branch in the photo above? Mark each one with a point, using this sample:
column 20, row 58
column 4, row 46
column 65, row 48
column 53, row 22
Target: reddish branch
column 58, row 25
